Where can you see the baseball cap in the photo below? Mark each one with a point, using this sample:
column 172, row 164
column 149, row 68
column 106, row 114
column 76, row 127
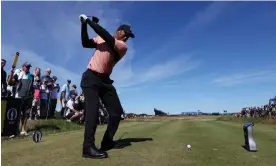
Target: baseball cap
column 127, row 29
column 27, row 64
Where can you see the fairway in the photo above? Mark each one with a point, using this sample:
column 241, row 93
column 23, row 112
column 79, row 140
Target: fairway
column 213, row 143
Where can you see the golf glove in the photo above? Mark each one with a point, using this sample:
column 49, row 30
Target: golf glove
column 83, row 18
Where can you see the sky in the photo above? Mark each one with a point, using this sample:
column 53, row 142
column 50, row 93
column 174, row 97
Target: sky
column 186, row 56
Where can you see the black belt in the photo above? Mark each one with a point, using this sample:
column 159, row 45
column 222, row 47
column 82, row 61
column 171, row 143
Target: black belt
column 100, row 74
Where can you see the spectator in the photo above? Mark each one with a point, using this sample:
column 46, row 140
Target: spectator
column 35, row 113
column 72, row 112
column 103, row 114
column 24, row 83
column 47, row 75
column 273, row 108
column 73, row 91
column 44, row 93
column 263, row 111
column 49, row 86
column 54, row 96
column 64, row 97
column 81, row 106
column 3, row 78
column 49, row 79
column 36, row 101
column 37, row 75
column 11, row 84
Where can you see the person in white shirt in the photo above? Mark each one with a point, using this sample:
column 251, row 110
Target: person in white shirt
column 72, row 113
column 64, row 97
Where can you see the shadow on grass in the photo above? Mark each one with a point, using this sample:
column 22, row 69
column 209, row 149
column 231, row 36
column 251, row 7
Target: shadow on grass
column 244, row 147
column 127, row 141
column 45, row 127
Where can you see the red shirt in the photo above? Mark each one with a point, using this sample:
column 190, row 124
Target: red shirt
column 37, row 93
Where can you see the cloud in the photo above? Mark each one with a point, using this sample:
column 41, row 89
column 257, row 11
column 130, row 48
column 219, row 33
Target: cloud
column 65, row 28
column 61, row 26
column 248, row 77
column 125, row 75
column 197, row 23
column 50, row 37
column 208, row 15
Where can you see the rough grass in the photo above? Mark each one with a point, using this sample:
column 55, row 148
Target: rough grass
column 52, row 126
column 213, row 143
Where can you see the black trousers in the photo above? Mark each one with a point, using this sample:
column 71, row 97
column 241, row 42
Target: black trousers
column 43, row 108
column 26, row 107
column 95, row 86
column 52, row 110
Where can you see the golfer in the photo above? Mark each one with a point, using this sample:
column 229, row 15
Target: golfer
column 96, row 83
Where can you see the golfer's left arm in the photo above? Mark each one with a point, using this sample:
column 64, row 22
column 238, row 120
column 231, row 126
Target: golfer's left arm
column 110, row 40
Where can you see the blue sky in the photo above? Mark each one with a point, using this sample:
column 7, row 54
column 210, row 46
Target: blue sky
column 186, row 56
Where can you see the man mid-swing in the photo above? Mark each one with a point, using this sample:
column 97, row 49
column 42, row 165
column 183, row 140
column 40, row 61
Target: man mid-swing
column 96, row 83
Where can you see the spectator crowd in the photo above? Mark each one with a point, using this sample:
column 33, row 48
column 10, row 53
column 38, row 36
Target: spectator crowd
column 267, row 111
column 39, row 94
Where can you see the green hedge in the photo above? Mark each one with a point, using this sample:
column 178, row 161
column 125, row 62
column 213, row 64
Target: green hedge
column 245, row 119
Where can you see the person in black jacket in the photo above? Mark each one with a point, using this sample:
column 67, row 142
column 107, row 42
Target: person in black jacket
column 24, row 80
column 3, row 78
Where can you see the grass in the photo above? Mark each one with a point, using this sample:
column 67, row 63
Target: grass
column 213, row 143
